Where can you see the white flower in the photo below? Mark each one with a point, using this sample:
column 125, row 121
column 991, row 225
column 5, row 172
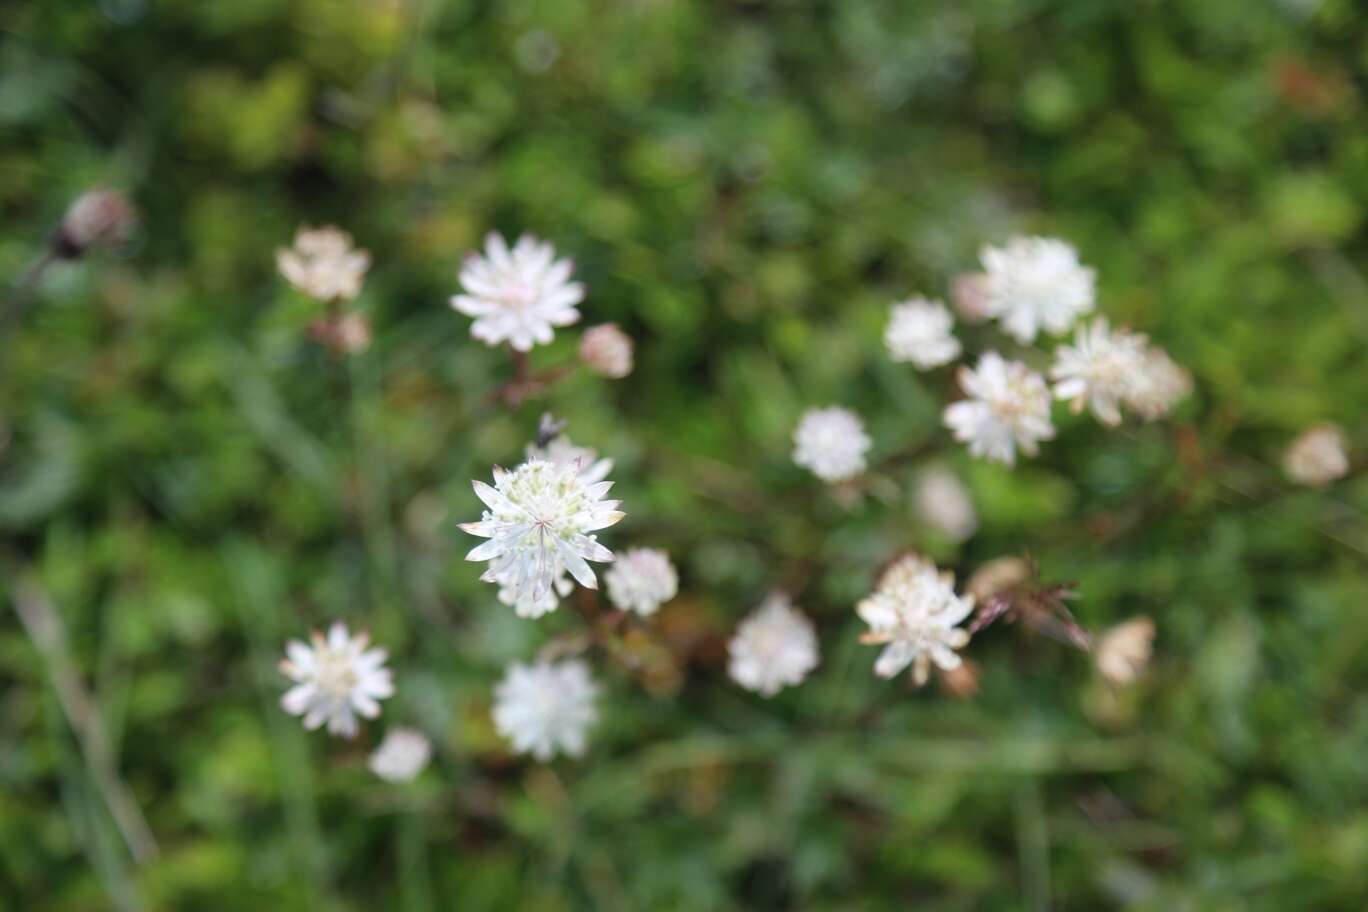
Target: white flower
column 546, row 708
column 641, row 580
column 560, row 451
column 1008, row 409
column 831, row 442
column 532, row 604
column 401, row 756
column 1158, row 386
column 919, row 331
column 518, row 296
column 943, row 503
column 914, row 611
column 775, row 647
column 607, row 350
column 337, row 679
column 1036, row 283
column 323, row 264
column 1123, row 651
column 1099, row 370
column 1317, row 457
column 538, row 524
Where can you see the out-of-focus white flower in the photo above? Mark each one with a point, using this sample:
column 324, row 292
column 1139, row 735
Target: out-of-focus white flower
column 97, row 218
column 1036, row 283
column 943, row 503
column 912, row 613
column 532, row 604
column 774, row 647
column 324, row 264
column 336, row 679
column 831, row 443
column 401, row 756
column 546, row 708
column 1008, row 409
column 1099, row 370
column 560, row 451
column 969, row 293
column 607, row 350
column 1122, row 652
column 1317, row 457
column 1159, row 385
column 919, row 331
column 538, row 524
column 641, row 580
column 518, row 296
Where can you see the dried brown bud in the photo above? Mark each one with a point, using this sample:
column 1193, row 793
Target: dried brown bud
column 961, row 682
column 997, row 576
column 607, row 350
column 98, row 218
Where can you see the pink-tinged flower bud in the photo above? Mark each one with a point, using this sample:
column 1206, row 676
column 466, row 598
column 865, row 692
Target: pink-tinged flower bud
column 98, row 218
column 344, row 334
column 607, row 350
column 969, row 292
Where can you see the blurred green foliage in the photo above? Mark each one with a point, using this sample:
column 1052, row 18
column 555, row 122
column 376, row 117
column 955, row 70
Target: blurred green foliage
column 745, row 186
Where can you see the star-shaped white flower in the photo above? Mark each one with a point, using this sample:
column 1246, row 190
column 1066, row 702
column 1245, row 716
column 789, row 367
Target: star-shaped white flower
column 913, row 613
column 641, row 580
column 546, row 708
column 337, row 679
column 1008, row 408
column 1099, row 370
column 324, row 264
column 518, row 296
column 775, row 647
column 920, row 331
column 831, row 443
column 1033, row 284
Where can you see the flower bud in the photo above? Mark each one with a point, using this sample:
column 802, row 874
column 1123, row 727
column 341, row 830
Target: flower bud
column 607, row 350
column 98, row 218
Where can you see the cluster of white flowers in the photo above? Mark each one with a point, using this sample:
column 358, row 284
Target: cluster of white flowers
column 336, row 679
column 913, row 613
column 831, row 443
column 1007, row 409
column 919, row 331
column 774, row 647
column 324, row 264
column 641, row 580
column 1317, row 457
column 519, row 296
column 1106, row 368
column 546, row 708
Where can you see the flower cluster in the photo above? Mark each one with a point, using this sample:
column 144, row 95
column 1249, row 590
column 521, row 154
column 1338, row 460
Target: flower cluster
column 774, row 647
column 831, row 443
column 324, row 264
column 913, row 613
column 641, row 580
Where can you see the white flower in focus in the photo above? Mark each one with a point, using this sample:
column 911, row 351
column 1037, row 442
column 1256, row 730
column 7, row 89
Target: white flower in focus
column 560, row 451
column 1159, row 385
column 1036, row 283
column 546, row 708
column 831, row 443
column 641, row 580
column 401, row 756
column 538, row 524
column 943, row 503
column 336, row 679
column 1099, row 370
column 913, row 613
column 1122, row 652
column 324, row 264
column 607, row 350
column 919, row 331
column 1008, row 409
column 774, row 647
column 518, row 296
column 1317, row 457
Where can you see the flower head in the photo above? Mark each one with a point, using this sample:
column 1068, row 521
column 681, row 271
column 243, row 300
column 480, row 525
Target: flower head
column 641, row 580
column 1007, row 409
column 831, row 442
column 97, row 218
column 919, row 331
column 774, row 647
column 1317, row 457
column 1036, row 283
column 1122, row 652
column 1159, row 385
column 913, row 612
column 943, row 503
column 546, row 707
column 518, row 296
column 401, row 756
column 1099, row 370
column 538, row 522
column 336, row 679
column 607, row 350
column 324, row 264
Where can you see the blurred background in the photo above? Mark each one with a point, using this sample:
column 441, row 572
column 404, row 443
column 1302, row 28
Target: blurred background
column 186, row 480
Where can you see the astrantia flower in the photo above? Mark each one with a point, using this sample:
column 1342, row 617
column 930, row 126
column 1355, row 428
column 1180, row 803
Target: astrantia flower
column 831, row 443
column 1008, row 409
column 1099, row 370
column 913, row 612
column 919, row 331
column 641, row 580
column 337, row 679
column 1036, row 283
column 607, row 350
column 546, row 708
column 518, row 296
column 774, row 647
column 560, row 451
column 943, row 503
column 401, row 756
column 1123, row 651
column 323, row 264
column 538, row 524
column 1158, row 386
column 1317, row 457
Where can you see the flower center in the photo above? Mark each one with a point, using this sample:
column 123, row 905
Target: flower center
column 336, row 674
